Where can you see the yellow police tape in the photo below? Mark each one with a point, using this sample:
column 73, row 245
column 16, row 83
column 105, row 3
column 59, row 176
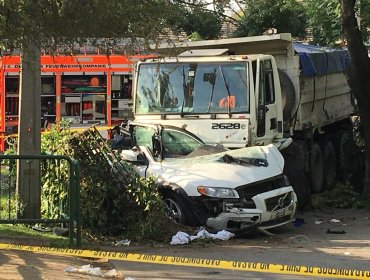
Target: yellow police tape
column 199, row 262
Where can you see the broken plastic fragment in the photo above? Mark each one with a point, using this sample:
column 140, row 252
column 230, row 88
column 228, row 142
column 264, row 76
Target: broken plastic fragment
column 124, row 242
column 335, row 231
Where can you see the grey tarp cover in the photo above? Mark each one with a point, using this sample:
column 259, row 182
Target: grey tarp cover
column 316, row 60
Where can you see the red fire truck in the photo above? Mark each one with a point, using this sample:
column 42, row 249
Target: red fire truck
column 86, row 88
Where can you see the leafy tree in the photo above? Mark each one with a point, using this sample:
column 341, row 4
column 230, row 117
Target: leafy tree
column 358, row 75
column 195, row 17
column 205, row 22
column 195, row 37
column 324, row 19
column 259, row 16
column 33, row 25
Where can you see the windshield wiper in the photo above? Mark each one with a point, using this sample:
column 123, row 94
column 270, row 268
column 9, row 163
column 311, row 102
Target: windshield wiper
column 213, row 89
column 228, row 91
column 245, row 161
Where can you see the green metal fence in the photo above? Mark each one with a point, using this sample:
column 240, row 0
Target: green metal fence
column 63, row 209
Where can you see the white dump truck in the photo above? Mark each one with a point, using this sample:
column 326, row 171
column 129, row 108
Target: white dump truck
column 255, row 91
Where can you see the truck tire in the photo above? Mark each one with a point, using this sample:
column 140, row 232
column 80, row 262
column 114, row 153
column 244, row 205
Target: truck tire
column 316, row 171
column 176, row 209
column 295, row 152
column 298, row 181
column 340, row 141
column 294, row 165
column 329, row 161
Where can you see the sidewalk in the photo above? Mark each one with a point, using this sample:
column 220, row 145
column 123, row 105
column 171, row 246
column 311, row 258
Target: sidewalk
column 31, row 266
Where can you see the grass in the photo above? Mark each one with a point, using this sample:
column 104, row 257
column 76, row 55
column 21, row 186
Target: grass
column 25, row 235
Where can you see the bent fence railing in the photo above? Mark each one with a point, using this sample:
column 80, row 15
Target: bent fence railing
column 59, row 192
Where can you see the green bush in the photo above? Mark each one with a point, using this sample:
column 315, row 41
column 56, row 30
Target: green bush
column 343, row 195
column 110, row 204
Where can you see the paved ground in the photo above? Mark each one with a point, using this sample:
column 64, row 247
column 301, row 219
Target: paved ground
column 308, row 241
column 28, row 265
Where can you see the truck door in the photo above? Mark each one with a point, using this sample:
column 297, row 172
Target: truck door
column 267, row 127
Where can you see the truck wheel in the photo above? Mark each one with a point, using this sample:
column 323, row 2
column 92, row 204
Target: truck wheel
column 316, row 169
column 299, row 182
column 329, row 160
column 340, row 141
column 176, row 209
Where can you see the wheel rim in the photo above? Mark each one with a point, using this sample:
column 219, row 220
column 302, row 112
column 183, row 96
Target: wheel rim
column 173, row 210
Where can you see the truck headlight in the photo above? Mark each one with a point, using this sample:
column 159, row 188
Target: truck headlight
column 216, row 192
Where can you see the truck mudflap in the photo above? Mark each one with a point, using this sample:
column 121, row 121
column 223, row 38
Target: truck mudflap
column 274, row 209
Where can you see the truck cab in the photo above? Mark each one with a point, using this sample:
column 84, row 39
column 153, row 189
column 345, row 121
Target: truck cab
column 234, row 100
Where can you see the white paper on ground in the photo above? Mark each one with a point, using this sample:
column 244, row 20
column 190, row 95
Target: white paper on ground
column 183, row 237
column 88, row 269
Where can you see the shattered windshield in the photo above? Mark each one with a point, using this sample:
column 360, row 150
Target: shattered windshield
column 192, row 88
column 175, row 143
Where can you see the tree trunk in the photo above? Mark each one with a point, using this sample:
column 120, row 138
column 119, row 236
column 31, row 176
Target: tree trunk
column 29, row 135
column 358, row 75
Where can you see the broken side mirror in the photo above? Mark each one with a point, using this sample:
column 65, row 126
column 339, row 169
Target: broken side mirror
column 129, row 155
column 133, row 157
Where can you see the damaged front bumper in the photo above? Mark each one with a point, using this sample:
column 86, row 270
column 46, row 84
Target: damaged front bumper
column 273, row 209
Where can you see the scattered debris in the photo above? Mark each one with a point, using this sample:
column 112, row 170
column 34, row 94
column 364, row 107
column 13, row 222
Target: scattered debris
column 180, row 238
column 300, row 240
column 124, row 242
column 96, row 271
column 42, row 229
column 184, row 238
column 335, row 231
column 335, row 221
column 347, row 253
column 60, row 231
column 298, row 222
column 317, row 222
